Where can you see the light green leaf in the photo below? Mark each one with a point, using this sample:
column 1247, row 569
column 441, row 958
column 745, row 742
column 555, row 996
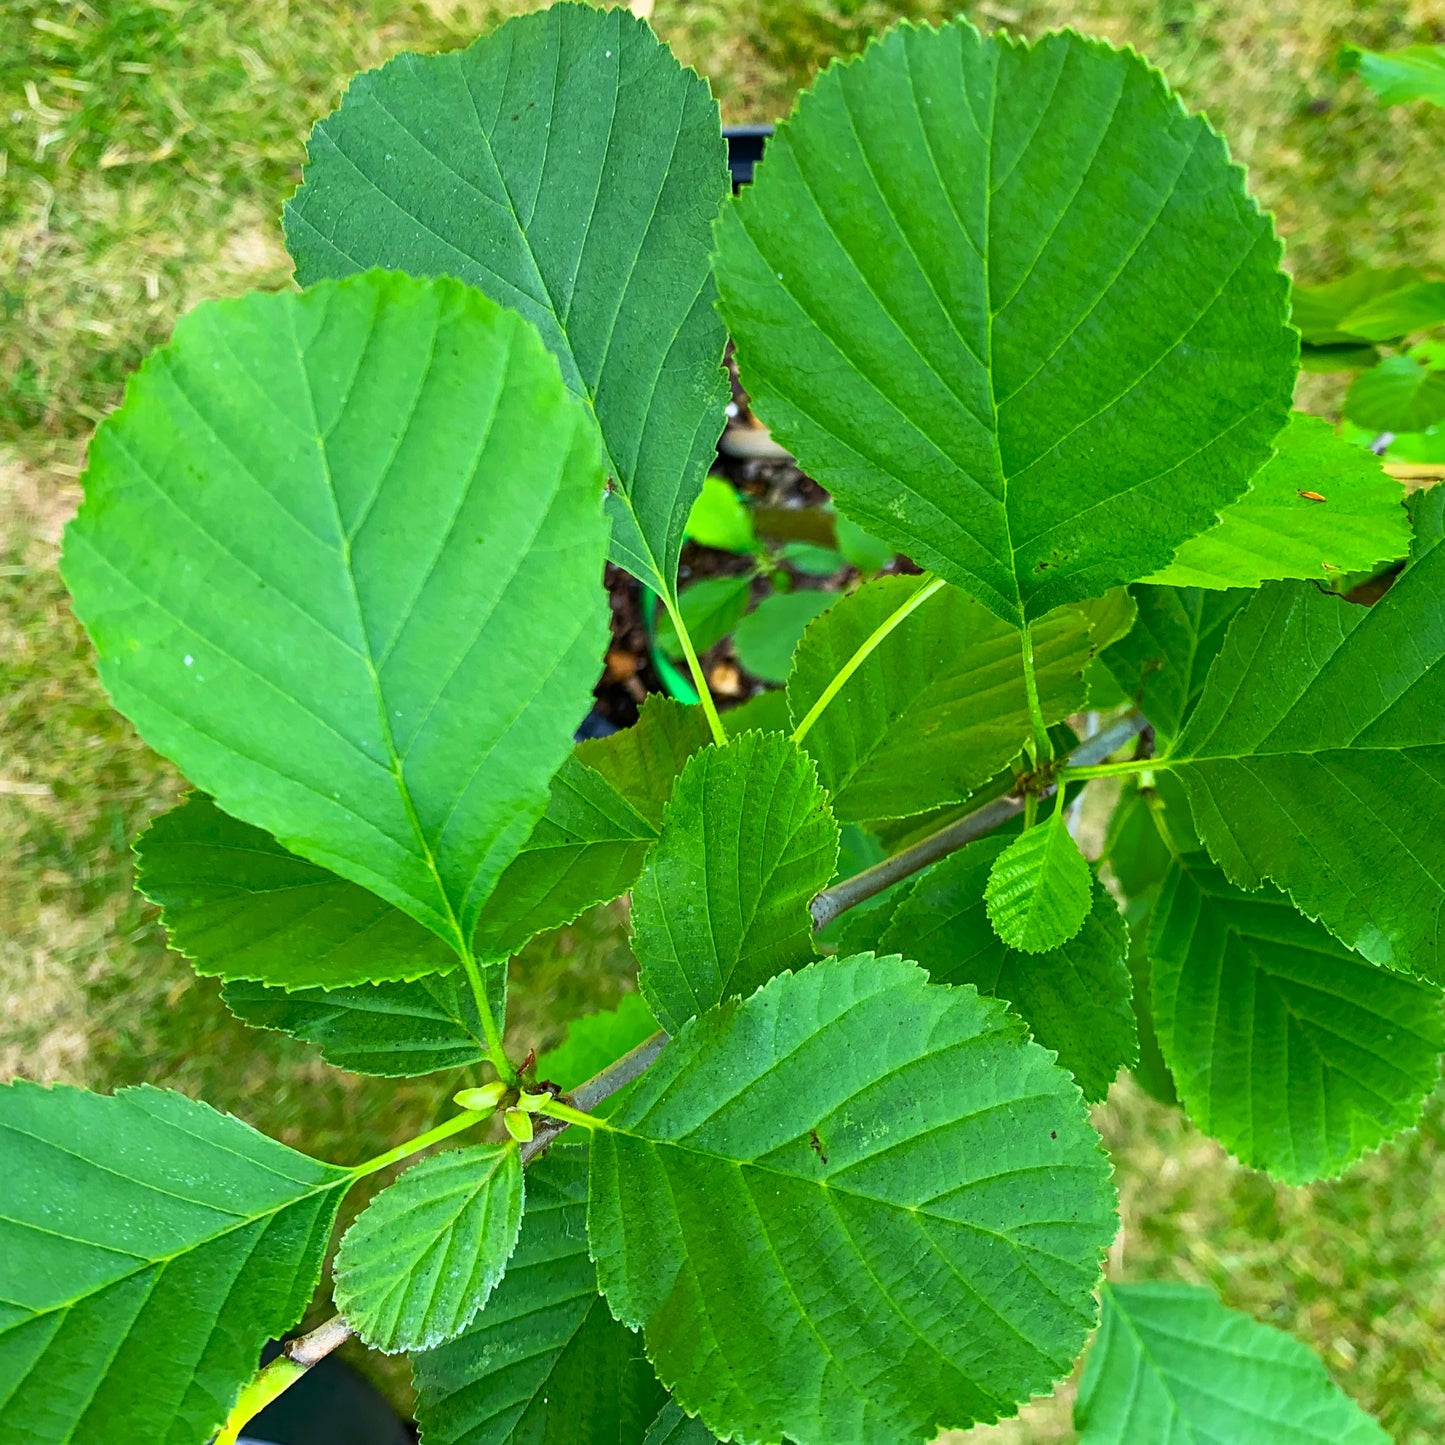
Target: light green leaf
column 672, row 1427
column 1012, row 307
column 1293, row 1052
column 855, row 1206
column 1399, row 395
column 710, row 611
column 394, row 1030
column 766, row 639
column 812, row 560
column 1414, row 72
column 1420, row 307
column 719, row 518
column 1172, row 1366
column 422, row 1258
column 316, row 533
column 722, row 904
column 1163, row 661
column 149, row 1247
column 938, row 707
column 861, row 548
column 570, row 168
column 1039, row 888
column 1074, row 998
column 1320, row 311
column 545, row 1362
column 1316, row 758
column 1321, row 506
column 593, row 1042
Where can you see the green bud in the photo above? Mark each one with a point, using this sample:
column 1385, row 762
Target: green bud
column 482, row 1100
column 534, row 1103
column 519, row 1125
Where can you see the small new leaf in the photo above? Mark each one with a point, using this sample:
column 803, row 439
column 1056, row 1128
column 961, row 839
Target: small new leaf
column 1039, row 888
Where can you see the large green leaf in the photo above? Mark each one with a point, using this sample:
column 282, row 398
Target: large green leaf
column 1172, row 1366
column 1316, row 757
column 1074, row 998
column 855, row 1206
column 149, row 1247
column 570, row 168
column 672, row 1427
column 316, row 534
column 1320, row 312
column 722, row 904
column 1295, row 1053
column 394, row 1030
column 545, row 1363
column 766, row 639
column 424, row 1255
column 938, row 706
column 1164, row 659
column 1039, row 888
column 1012, row 307
column 1401, row 394
column 1322, row 505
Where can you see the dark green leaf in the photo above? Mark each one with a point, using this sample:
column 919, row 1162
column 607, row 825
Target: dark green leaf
column 855, row 1206
column 1151, row 1073
column 767, row 637
column 710, row 611
column 149, row 1248
column 1400, row 394
column 1075, row 998
column 765, row 712
column 1347, row 357
column 1012, row 307
column 1172, row 1366
column 315, row 535
column 1039, row 887
column 722, row 904
column 1134, row 851
column 1295, row 1053
column 1427, row 518
column 545, row 1362
column 570, row 168
column 861, row 548
column 672, row 1427
column 812, row 560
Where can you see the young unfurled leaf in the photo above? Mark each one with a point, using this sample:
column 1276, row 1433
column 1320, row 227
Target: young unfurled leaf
column 1012, row 307
column 567, row 166
column 722, row 904
column 316, row 533
column 1401, row 394
column 151, row 1247
column 1316, row 758
column 1295, row 1053
column 1039, row 888
column 1281, row 528
column 766, row 639
column 545, row 1362
column 852, row 1133
column 1074, row 998
column 1173, row 1364
column 937, row 707
column 424, row 1255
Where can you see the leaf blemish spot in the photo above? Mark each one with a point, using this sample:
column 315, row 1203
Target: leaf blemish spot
column 816, row 1145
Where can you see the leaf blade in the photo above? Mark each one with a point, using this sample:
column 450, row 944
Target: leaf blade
column 1039, row 888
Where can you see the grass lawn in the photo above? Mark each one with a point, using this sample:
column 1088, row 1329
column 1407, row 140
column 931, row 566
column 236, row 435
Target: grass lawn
column 147, row 147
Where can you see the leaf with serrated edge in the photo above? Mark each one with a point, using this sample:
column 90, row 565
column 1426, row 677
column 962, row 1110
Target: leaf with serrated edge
column 1322, row 505
column 1012, row 307
column 1173, row 1366
column 424, row 1255
column 722, row 905
column 318, row 530
column 1039, row 888
column 567, row 166
column 149, row 1248
column 1316, row 758
column 545, row 1362
column 1293, row 1052
column 1074, row 998
column 672, row 1427
column 854, row 1206
column 937, row 707
column 642, row 762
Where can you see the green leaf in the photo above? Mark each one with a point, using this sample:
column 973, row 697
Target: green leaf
column 1172, row 1365
column 719, row 518
column 1134, row 852
column 1039, row 888
column 672, row 1427
column 422, row 1258
column 1012, row 307
column 1357, row 357
column 317, row 532
column 1320, row 311
column 1399, row 395
column 861, row 548
column 1074, row 998
column 1420, row 307
column 938, row 707
column 394, row 1030
column 1150, row 1072
column 642, row 762
column 1414, row 72
column 545, row 1362
column 149, row 1248
column 570, row 168
column 764, row 712
column 710, row 611
column 1163, row 661
column 812, row 560
column 1427, row 518
column 855, row 1206
column 593, row 1042
column 722, row 904
column 1293, row 1052
column 1321, row 506
column 766, row 639
column 1316, row 758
